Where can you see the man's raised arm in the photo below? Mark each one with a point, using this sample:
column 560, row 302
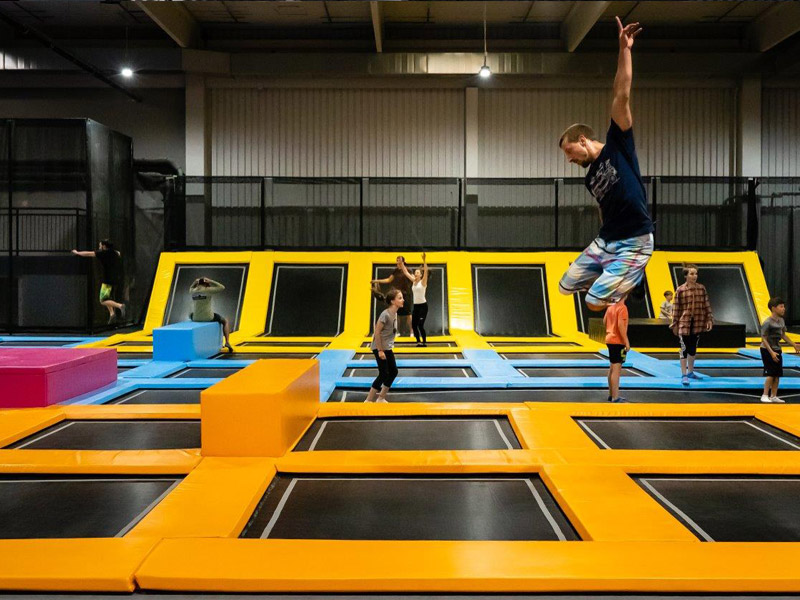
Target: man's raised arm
column 621, row 104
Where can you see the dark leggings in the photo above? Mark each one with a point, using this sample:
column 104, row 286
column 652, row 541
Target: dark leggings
column 418, row 322
column 387, row 370
column 689, row 344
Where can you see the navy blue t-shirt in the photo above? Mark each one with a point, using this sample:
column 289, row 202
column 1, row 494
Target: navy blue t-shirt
column 616, row 183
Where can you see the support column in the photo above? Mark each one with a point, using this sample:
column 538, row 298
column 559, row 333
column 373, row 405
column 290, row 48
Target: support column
column 748, row 142
column 471, row 132
column 198, row 162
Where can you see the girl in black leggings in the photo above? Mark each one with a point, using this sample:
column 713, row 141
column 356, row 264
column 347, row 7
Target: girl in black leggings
column 382, row 347
column 419, row 287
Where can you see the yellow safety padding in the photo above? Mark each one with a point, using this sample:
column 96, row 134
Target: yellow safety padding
column 72, row 565
column 254, row 304
column 118, row 462
column 132, row 411
column 19, row 423
column 261, row 410
column 459, row 297
column 605, row 504
column 228, row 565
column 214, row 500
column 551, row 430
column 668, row 462
column 359, row 301
column 417, row 461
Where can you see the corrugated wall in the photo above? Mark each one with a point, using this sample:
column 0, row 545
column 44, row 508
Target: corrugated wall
column 337, row 132
column 689, row 132
column 780, row 132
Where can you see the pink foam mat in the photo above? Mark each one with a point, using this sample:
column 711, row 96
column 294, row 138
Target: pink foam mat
column 44, row 376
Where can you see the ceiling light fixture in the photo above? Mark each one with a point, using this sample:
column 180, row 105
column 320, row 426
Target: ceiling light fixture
column 485, row 71
column 126, row 72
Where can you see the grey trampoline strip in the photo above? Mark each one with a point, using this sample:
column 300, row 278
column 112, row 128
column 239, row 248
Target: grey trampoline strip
column 318, row 436
column 502, row 435
column 149, row 507
column 279, row 509
column 769, row 433
column 677, row 510
column 36, row 438
column 131, row 397
column 545, row 511
column 593, row 435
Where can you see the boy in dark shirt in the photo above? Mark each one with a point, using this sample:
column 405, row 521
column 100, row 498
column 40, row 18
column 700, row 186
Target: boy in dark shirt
column 614, row 262
column 773, row 330
column 112, row 277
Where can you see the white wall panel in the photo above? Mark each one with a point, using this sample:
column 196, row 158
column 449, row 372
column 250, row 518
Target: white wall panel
column 337, row 132
column 780, row 135
column 678, row 131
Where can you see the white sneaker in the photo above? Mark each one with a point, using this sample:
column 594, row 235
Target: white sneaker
column 384, row 400
column 777, row 400
column 766, row 399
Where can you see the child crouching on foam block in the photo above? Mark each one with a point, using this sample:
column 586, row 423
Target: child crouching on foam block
column 202, row 290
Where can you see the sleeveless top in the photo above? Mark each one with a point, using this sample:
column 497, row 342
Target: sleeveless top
column 419, row 292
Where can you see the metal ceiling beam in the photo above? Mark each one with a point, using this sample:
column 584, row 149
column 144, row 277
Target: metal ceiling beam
column 175, row 20
column 580, row 20
column 377, row 24
column 776, row 24
column 48, row 42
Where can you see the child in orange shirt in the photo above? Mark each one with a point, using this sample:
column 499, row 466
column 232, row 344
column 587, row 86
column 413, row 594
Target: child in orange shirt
column 616, row 322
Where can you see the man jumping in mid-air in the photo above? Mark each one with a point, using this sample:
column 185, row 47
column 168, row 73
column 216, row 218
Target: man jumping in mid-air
column 614, row 262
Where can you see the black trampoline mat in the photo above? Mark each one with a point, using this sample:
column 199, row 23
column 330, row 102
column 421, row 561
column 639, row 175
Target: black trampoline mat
column 307, row 300
column 557, row 395
column 742, row 372
column 92, row 506
column 415, row 356
column 266, row 344
column 32, row 344
column 700, row 356
column 436, row 296
column 551, row 356
column 398, row 344
column 410, row 433
column 134, row 355
column 139, row 434
column 160, row 396
column 530, row 344
column 133, row 343
column 261, row 355
column 206, row 372
column 731, row 508
column 227, row 303
column 350, row 507
column 576, row 372
column 690, row 433
column 121, row 369
column 511, row 300
column 413, row 372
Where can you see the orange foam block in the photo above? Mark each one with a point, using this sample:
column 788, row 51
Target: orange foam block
column 261, row 410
